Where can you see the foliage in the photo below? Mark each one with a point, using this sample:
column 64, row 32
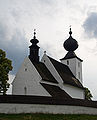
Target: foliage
column 88, row 94
column 5, row 67
column 46, row 117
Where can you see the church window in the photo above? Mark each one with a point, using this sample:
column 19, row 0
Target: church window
column 79, row 75
column 67, row 62
column 25, row 90
column 44, row 60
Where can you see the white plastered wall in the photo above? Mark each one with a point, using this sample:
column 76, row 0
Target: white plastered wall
column 74, row 67
column 12, row 108
column 52, row 69
column 74, row 91
column 27, row 81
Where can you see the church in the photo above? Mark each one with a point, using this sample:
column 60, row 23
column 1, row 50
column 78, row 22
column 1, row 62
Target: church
column 49, row 77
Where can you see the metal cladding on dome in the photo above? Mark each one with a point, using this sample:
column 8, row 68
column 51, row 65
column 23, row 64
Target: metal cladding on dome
column 70, row 44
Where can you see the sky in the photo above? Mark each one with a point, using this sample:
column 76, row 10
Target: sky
column 52, row 20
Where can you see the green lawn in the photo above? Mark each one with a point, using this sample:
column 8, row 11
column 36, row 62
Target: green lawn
column 46, row 117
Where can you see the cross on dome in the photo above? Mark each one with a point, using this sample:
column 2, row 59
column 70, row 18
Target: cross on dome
column 70, row 31
column 34, row 33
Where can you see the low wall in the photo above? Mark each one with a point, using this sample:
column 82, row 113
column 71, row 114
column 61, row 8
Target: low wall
column 53, row 109
column 40, row 104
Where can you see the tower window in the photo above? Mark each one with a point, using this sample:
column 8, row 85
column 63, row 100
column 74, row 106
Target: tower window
column 67, row 62
column 78, row 64
column 79, row 75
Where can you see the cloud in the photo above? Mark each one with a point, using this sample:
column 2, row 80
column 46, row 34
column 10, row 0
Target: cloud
column 14, row 43
column 11, row 78
column 90, row 25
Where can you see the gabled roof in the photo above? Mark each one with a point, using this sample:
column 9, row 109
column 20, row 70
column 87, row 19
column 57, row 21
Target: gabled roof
column 44, row 72
column 65, row 73
column 55, row 91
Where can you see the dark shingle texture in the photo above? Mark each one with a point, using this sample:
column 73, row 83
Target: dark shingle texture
column 56, row 91
column 70, row 55
column 44, row 72
column 26, row 99
column 66, row 74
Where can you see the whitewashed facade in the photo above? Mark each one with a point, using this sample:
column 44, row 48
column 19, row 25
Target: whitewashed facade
column 75, row 66
column 27, row 81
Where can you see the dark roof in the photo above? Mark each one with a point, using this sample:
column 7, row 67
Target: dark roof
column 55, row 91
column 44, row 72
column 70, row 55
column 27, row 99
column 65, row 73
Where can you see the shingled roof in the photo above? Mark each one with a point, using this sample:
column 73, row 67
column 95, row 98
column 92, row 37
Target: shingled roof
column 56, row 91
column 44, row 72
column 70, row 55
column 66, row 74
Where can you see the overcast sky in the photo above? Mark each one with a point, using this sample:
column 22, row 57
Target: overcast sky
column 51, row 19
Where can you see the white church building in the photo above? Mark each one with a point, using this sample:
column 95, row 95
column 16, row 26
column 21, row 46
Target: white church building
column 49, row 77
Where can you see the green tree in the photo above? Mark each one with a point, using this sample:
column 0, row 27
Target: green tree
column 88, row 94
column 5, row 67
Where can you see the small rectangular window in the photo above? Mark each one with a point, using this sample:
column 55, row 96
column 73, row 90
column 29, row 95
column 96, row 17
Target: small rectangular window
column 25, row 69
column 79, row 75
column 67, row 62
column 78, row 64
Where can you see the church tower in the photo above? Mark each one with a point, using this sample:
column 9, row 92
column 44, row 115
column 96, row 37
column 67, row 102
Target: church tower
column 70, row 59
column 34, row 49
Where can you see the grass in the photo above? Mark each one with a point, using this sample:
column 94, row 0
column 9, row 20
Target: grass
column 46, row 117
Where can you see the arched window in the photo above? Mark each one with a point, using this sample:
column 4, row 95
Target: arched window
column 25, row 90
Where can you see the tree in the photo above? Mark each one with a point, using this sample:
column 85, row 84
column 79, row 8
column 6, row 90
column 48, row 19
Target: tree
column 5, row 67
column 88, row 94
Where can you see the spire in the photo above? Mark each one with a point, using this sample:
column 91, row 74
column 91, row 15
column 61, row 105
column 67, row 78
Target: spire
column 34, row 49
column 34, row 34
column 70, row 32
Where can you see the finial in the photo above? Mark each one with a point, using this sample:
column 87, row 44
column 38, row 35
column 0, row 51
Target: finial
column 34, row 33
column 70, row 32
column 44, row 52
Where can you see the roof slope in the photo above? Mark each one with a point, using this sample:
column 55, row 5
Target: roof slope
column 66, row 73
column 70, row 55
column 56, row 91
column 44, row 72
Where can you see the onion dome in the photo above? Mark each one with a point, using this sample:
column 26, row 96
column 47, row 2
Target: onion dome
column 70, row 44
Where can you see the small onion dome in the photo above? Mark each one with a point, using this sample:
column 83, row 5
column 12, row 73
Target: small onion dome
column 34, row 40
column 70, row 44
